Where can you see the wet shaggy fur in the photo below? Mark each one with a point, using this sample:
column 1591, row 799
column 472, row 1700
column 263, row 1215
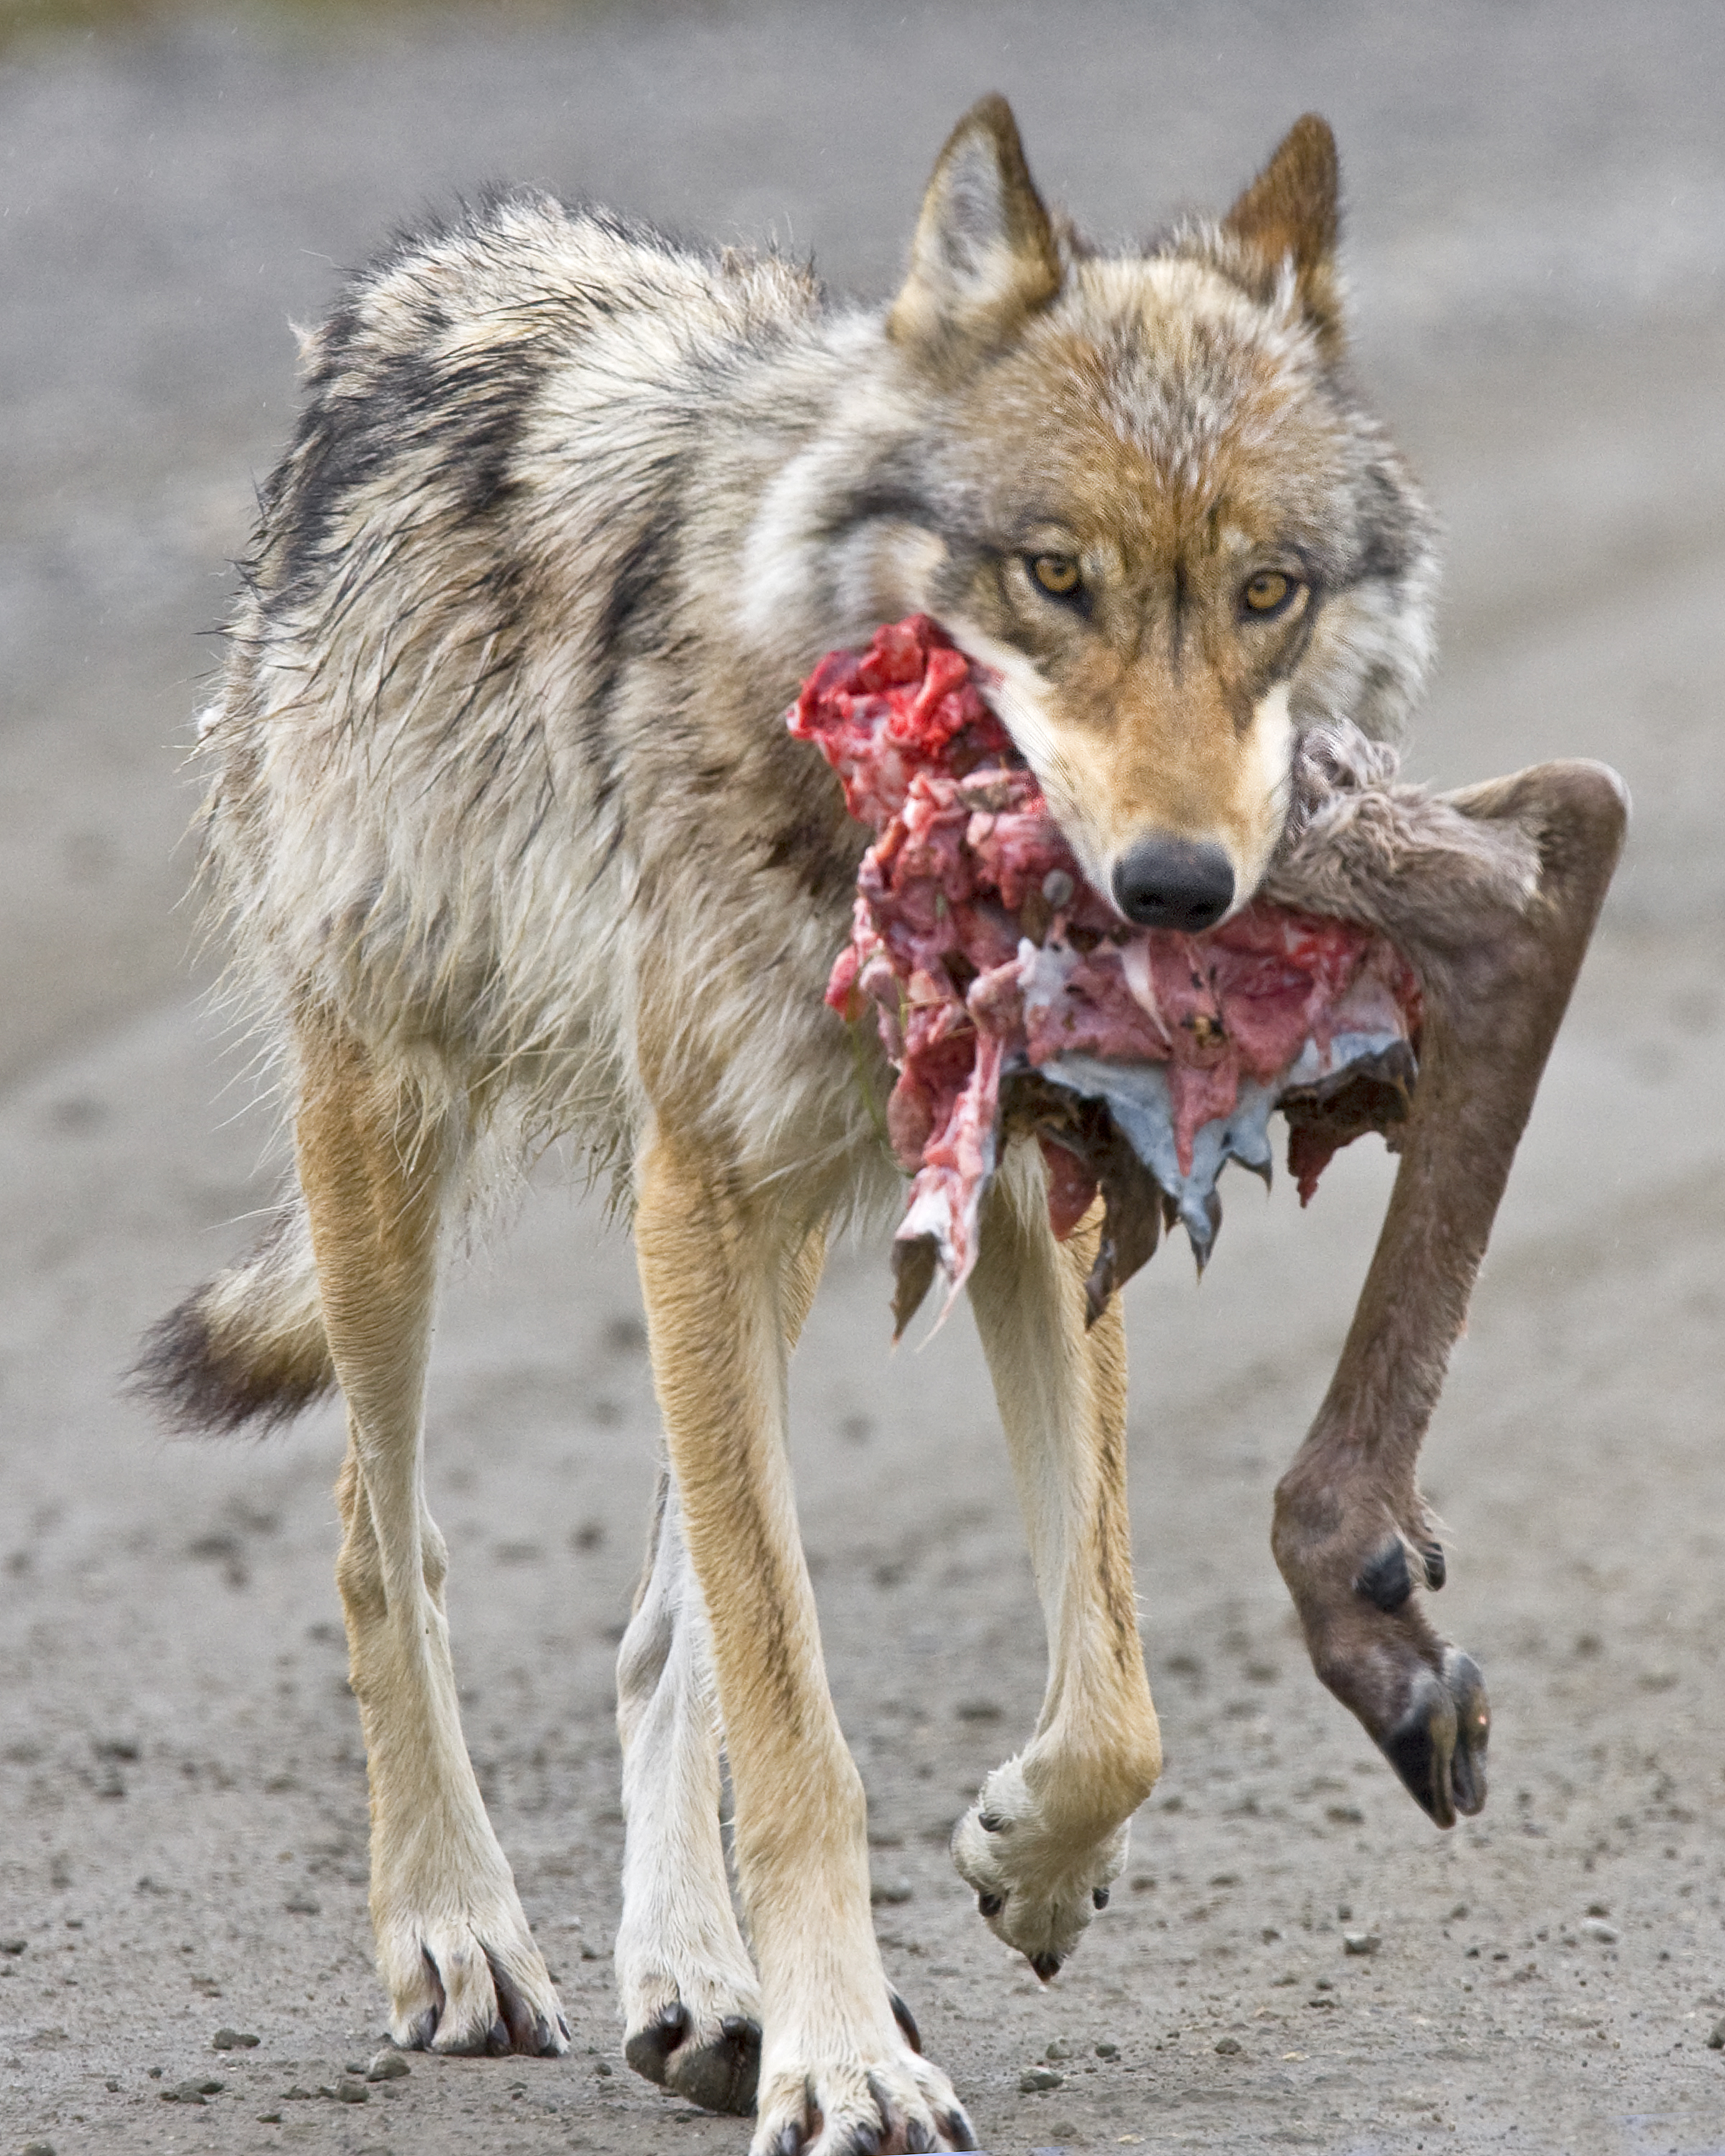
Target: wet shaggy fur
column 511, row 843
column 495, row 770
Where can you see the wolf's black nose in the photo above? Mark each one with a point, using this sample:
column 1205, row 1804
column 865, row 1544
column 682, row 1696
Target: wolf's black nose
column 1174, row 883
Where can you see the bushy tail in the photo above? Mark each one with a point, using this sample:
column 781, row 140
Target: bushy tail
column 248, row 1347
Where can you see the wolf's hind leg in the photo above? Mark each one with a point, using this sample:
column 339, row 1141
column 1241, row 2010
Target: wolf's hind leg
column 454, row 1949
column 1048, row 1832
column 692, row 2005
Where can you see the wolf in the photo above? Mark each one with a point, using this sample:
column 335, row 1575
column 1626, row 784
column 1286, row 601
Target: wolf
column 512, row 843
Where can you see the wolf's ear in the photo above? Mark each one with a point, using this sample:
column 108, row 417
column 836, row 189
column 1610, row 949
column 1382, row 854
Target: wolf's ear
column 1292, row 211
column 984, row 255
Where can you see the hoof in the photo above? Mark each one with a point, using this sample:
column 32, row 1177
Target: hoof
column 1422, row 1700
column 1439, row 1746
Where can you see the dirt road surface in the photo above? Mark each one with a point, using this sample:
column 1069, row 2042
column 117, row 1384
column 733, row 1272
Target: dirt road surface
column 1537, row 239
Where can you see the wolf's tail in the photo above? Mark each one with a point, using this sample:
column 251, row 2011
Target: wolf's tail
column 248, row 1347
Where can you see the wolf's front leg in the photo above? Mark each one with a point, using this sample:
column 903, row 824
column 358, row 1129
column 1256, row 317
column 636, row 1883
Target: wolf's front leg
column 453, row 1947
column 837, row 2074
column 691, row 2004
column 1048, row 1833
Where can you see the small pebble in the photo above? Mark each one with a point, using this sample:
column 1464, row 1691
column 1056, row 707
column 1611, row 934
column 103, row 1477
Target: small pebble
column 1360, row 1943
column 1059, row 2049
column 888, row 1893
column 1105, row 2049
column 1228, row 2046
column 233, row 2039
column 1715, row 2042
column 1596, row 1928
column 268, row 2118
column 351, row 2091
column 194, row 2092
column 13, row 1946
column 1039, row 2077
column 39, row 2148
column 303, row 1905
column 602, row 2067
column 388, row 2066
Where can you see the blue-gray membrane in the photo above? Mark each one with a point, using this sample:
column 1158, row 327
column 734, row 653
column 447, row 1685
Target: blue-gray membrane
column 1138, row 1097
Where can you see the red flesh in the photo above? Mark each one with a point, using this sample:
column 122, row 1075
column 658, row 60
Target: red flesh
column 969, row 868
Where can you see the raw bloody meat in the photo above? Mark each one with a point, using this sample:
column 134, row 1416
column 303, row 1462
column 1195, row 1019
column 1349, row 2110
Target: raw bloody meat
column 1009, row 994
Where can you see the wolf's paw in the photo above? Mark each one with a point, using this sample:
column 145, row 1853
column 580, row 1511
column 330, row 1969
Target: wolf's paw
column 878, row 2097
column 692, row 2007
column 468, row 1984
column 1422, row 1700
column 1036, row 1887
column 716, row 2064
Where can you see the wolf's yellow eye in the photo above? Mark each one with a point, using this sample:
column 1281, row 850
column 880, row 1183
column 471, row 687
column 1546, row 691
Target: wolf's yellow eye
column 1268, row 591
column 1058, row 574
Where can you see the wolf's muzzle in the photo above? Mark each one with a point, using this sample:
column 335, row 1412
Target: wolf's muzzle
column 1164, row 882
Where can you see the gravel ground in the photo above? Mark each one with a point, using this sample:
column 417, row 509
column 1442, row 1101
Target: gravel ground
column 1538, row 231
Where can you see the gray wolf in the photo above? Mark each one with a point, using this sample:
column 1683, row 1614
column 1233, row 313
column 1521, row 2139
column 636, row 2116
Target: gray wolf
column 512, row 843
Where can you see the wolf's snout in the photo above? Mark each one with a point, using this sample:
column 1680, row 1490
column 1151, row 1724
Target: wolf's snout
column 1174, row 883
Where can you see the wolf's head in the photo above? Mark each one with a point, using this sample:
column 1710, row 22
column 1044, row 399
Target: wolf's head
column 1142, row 490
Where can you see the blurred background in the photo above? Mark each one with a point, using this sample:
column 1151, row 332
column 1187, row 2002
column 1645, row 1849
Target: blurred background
column 1536, row 239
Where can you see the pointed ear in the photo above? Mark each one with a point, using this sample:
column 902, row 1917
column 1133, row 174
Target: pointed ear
column 1291, row 211
column 984, row 256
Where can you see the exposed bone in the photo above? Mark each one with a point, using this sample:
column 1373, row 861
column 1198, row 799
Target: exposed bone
column 1491, row 893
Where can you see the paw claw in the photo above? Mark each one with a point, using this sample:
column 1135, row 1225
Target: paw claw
column 1047, row 1966
column 719, row 2076
column 722, row 2076
column 648, row 2050
column 870, row 2098
column 480, row 2005
column 906, row 2022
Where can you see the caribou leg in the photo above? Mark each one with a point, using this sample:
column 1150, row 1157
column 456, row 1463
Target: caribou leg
column 1491, row 893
